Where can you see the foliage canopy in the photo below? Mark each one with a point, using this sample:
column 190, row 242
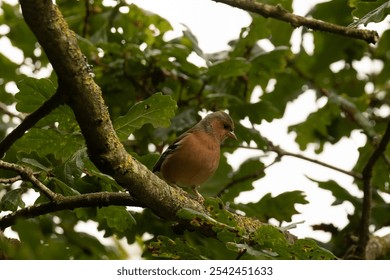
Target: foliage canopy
column 153, row 92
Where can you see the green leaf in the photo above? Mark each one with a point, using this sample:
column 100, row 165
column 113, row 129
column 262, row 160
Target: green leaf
column 193, row 41
column 219, row 180
column 380, row 173
column 117, row 218
column 50, row 141
column 280, row 207
column 249, row 135
column 338, row 192
column 176, row 249
column 35, row 163
column 266, row 65
column 258, row 254
column 370, row 11
column 33, row 93
column 74, row 166
column 197, row 218
column 256, row 112
column 20, row 34
column 229, row 68
column 382, row 47
column 12, row 200
column 315, row 130
column 242, row 180
column 156, row 110
column 7, row 69
column 60, row 187
column 287, row 89
column 106, row 182
column 272, row 240
column 217, row 210
column 249, row 36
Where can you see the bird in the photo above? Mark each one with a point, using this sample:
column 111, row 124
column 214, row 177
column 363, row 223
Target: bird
column 194, row 156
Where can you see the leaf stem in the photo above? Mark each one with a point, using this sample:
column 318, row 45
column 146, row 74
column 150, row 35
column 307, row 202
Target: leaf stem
column 281, row 152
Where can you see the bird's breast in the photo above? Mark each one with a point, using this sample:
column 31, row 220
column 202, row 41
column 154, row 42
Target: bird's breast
column 194, row 161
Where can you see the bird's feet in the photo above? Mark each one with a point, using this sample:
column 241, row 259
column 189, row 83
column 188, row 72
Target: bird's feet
column 199, row 197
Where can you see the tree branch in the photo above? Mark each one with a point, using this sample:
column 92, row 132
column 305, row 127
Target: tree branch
column 278, row 12
column 281, row 152
column 377, row 247
column 85, row 98
column 10, row 180
column 27, row 174
column 49, row 105
column 367, row 191
column 100, row 199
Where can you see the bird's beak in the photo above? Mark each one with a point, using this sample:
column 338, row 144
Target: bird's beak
column 231, row 135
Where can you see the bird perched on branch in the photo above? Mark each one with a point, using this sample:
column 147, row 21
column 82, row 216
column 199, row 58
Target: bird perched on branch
column 194, row 156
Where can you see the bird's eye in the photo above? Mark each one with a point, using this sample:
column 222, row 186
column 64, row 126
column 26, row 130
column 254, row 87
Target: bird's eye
column 227, row 127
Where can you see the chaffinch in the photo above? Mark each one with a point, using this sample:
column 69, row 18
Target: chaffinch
column 194, row 156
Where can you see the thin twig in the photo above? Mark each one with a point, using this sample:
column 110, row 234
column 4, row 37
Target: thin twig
column 367, row 191
column 86, row 18
column 10, row 180
column 27, row 174
column 281, row 152
column 280, row 13
column 100, row 199
column 49, row 105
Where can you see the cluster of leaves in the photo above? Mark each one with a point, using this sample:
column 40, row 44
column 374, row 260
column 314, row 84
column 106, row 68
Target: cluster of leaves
column 148, row 83
column 267, row 242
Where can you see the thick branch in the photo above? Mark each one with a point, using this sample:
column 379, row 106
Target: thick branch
column 69, row 203
column 278, row 12
column 367, row 191
column 85, row 98
column 48, row 106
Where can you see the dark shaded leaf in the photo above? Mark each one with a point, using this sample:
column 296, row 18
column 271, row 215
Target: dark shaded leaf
column 12, row 200
column 280, row 207
column 157, row 110
column 338, row 192
column 229, row 68
column 115, row 219
column 32, row 93
column 369, row 11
